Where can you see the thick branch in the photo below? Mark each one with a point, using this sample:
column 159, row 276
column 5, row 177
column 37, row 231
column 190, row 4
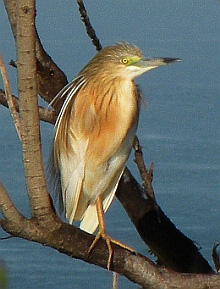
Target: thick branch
column 31, row 144
column 147, row 216
column 71, row 241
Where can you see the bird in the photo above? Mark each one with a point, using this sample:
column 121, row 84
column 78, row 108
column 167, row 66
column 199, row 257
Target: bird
column 94, row 133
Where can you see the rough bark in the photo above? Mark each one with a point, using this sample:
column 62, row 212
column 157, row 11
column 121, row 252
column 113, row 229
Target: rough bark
column 28, row 109
column 73, row 242
column 46, row 227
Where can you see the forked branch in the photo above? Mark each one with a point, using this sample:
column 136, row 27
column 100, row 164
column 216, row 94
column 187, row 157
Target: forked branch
column 46, row 228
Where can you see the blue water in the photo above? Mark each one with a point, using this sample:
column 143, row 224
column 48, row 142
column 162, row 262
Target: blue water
column 179, row 126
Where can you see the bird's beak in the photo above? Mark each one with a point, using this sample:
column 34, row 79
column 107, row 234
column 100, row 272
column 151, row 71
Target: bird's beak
column 151, row 63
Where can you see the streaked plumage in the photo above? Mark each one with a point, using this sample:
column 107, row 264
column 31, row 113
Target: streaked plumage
column 95, row 130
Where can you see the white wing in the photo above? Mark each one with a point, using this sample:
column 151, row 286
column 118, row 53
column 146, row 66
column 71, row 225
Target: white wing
column 72, row 176
column 69, row 166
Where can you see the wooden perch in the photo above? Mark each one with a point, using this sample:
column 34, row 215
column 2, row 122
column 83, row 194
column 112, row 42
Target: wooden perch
column 75, row 243
column 174, row 250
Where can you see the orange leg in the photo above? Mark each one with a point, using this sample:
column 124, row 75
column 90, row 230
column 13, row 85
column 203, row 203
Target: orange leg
column 102, row 234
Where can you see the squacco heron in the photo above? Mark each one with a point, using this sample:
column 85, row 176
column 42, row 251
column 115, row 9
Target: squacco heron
column 94, row 133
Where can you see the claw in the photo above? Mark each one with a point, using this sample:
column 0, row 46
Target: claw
column 109, row 242
column 102, row 234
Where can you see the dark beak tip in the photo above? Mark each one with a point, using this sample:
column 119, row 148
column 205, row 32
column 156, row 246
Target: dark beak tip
column 170, row 60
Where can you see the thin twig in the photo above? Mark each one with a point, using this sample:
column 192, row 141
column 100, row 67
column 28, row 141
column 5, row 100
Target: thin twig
column 146, row 175
column 89, row 29
column 9, row 98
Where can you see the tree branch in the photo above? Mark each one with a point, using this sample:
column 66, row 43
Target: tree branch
column 7, row 207
column 147, row 176
column 45, row 114
column 75, row 243
column 10, row 99
column 31, row 146
column 89, row 29
column 67, row 239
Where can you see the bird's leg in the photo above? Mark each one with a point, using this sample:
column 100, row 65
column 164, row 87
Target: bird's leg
column 102, row 234
column 102, row 231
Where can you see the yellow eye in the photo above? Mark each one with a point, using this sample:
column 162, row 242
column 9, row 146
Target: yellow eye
column 124, row 60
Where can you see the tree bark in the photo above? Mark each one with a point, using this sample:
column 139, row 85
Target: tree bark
column 75, row 243
column 45, row 226
column 28, row 108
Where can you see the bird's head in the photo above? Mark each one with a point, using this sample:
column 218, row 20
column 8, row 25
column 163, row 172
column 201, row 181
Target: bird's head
column 124, row 60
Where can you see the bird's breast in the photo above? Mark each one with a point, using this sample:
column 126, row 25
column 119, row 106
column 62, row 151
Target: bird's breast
column 114, row 122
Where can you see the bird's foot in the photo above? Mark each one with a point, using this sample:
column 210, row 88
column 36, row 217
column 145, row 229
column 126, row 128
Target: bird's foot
column 109, row 241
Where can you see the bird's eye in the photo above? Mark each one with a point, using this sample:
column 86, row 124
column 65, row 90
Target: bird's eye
column 124, row 60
